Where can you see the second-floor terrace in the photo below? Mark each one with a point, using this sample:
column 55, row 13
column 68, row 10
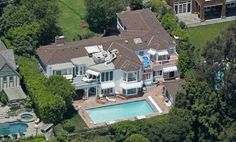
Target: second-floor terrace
column 158, row 59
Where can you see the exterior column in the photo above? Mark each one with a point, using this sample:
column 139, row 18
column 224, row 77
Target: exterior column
column 194, row 7
column 223, row 10
column 86, row 92
column 202, row 14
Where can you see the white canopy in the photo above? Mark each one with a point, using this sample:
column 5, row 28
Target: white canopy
column 92, row 72
column 162, row 53
column 106, row 85
column 151, row 51
column 131, row 85
column 170, row 69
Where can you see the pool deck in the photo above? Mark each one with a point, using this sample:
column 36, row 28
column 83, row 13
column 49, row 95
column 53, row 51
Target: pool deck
column 154, row 91
column 31, row 131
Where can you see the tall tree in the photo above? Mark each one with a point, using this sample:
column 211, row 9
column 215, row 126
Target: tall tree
column 136, row 4
column 24, row 39
column 102, row 13
column 14, row 16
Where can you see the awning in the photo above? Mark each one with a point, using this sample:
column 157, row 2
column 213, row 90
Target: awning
column 162, row 53
column 106, row 85
column 92, row 72
column 14, row 94
column 151, row 51
column 170, row 69
column 131, row 85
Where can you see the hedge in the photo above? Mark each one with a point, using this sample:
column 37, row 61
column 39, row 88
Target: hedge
column 49, row 108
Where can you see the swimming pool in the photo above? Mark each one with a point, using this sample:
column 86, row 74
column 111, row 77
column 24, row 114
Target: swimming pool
column 12, row 128
column 146, row 61
column 120, row 111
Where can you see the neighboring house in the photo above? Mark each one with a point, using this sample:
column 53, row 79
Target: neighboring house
column 141, row 54
column 206, row 9
column 9, row 77
column 171, row 88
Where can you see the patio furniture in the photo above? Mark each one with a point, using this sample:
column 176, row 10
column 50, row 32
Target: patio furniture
column 140, row 117
column 110, row 99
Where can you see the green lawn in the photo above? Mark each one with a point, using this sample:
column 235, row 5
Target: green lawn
column 200, row 35
column 71, row 16
column 76, row 121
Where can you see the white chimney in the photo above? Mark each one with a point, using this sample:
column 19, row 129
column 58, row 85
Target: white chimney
column 59, row 40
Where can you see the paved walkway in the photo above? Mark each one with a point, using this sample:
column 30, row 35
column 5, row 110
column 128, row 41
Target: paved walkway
column 153, row 91
column 192, row 20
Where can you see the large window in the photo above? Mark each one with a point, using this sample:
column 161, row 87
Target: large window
column 107, row 76
column 132, row 76
column 147, row 76
column 124, row 76
column 131, row 91
column 107, row 91
column 4, row 79
column 62, row 72
column 81, row 70
column 11, row 79
column 182, row 7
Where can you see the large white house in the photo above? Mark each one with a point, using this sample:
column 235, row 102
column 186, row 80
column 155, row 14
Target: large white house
column 140, row 55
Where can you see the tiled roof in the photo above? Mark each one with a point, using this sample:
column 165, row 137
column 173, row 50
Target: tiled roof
column 139, row 24
column 6, row 56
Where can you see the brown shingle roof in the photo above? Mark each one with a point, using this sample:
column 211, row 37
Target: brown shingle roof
column 140, row 24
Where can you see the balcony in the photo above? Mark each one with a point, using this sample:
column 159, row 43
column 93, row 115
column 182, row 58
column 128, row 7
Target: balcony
column 171, row 61
column 81, row 82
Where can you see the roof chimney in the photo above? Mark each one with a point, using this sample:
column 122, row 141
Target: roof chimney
column 59, row 40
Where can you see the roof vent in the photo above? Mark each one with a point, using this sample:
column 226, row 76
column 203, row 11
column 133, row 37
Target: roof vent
column 59, row 40
column 138, row 40
column 126, row 41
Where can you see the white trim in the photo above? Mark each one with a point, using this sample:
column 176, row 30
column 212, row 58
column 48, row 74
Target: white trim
column 69, row 76
column 154, row 103
column 106, row 85
column 162, row 53
column 151, row 51
column 170, row 69
column 131, row 85
column 92, row 72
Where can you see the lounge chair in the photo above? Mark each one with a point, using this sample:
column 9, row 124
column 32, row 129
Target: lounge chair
column 110, row 99
column 110, row 122
column 140, row 117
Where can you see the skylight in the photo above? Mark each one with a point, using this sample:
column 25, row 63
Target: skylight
column 138, row 40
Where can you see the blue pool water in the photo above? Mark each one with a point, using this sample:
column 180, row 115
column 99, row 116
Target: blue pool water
column 146, row 61
column 26, row 117
column 120, row 111
column 12, row 128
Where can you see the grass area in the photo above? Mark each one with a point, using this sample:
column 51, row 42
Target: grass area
column 200, row 35
column 72, row 14
column 75, row 121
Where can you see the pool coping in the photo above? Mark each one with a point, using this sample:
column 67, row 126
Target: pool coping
column 19, row 118
column 89, row 122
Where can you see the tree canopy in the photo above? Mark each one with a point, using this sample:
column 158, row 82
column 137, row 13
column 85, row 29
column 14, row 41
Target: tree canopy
column 102, row 14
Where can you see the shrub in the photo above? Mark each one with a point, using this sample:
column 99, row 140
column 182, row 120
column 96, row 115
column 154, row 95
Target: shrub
column 137, row 138
column 3, row 98
column 69, row 127
column 169, row 22
column 49, row 107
